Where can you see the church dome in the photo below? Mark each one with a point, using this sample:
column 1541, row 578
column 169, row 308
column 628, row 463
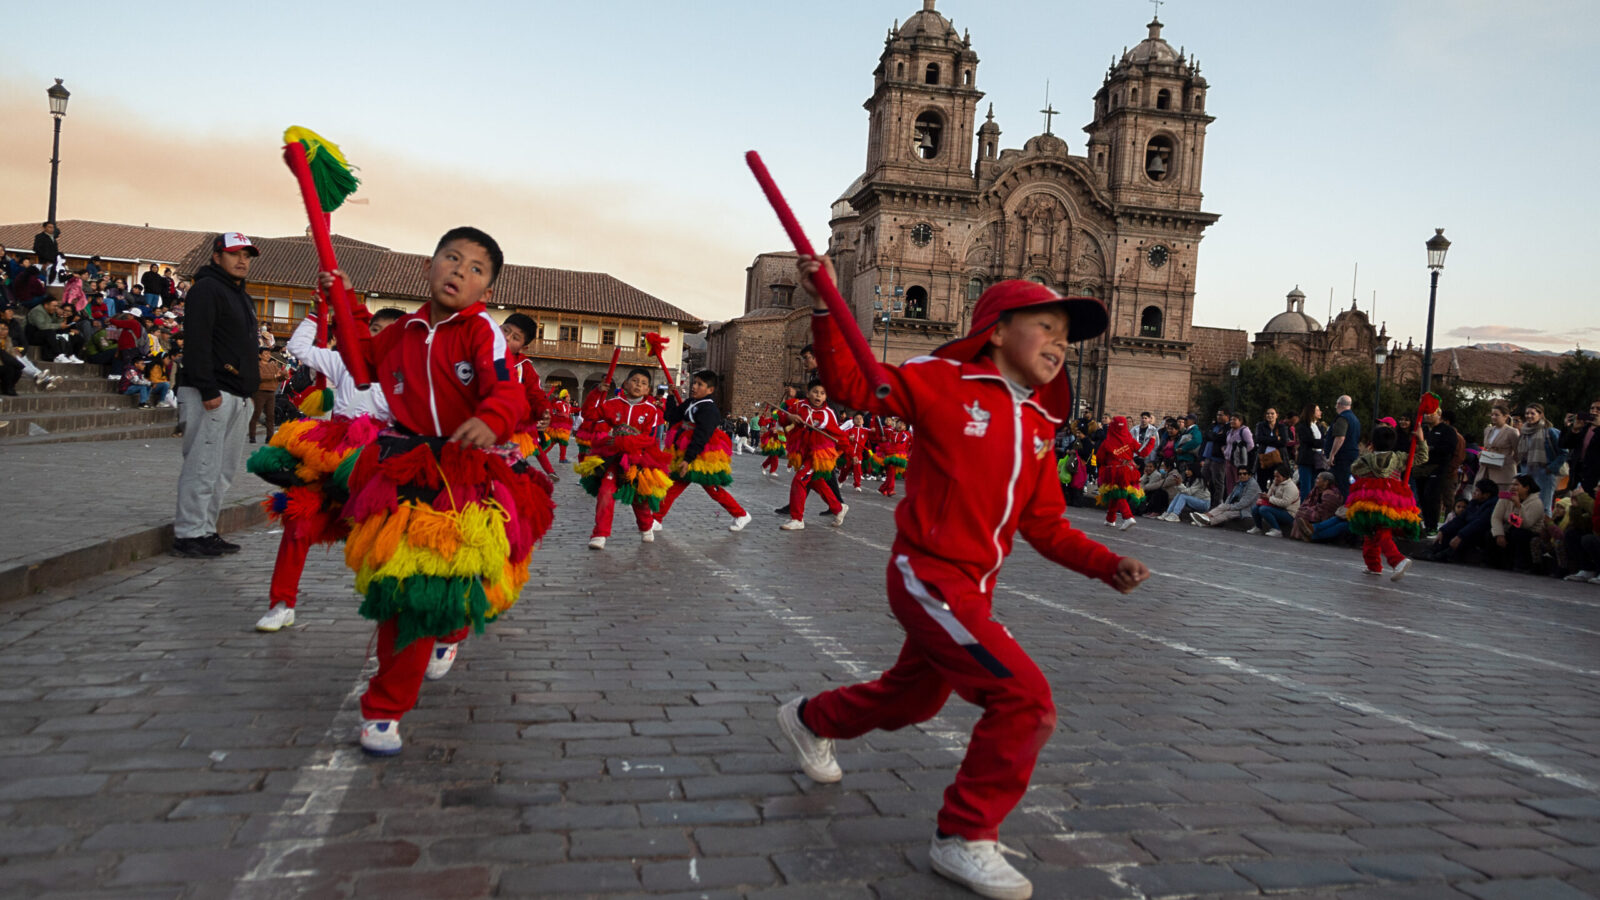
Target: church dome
column 1293, row 320
column 927, row 23
column 1152, row 49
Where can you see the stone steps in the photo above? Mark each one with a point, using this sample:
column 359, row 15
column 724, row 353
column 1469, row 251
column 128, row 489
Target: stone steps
column 85, row 406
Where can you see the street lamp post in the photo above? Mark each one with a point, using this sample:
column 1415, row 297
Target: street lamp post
column 1233, row 389
column 1437, row 245
column 1378, row 357
column 58, row 110
column 885, row 310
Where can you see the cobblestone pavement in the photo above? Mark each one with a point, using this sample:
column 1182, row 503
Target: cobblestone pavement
column 1261, row 719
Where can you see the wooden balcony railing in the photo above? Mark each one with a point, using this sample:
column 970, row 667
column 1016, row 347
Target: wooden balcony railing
column 582, row 351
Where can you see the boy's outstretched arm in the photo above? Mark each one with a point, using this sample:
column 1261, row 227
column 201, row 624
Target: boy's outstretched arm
column 838, row 367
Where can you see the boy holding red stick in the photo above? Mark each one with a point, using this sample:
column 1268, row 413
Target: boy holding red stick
column 813, row 441
column 987, row 402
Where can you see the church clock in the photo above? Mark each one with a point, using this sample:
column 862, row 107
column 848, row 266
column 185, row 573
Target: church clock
column 1157, row 256
column 921, row 234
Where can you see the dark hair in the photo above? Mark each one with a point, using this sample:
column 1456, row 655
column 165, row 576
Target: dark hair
column 707, row 377
column 476, row 236
column 1528, row 482
column 637, row 371
column 1488, row 486
column 1383, row 438
column 1284, row 469
column 525, row 324
column 1447, row 416
column 814, row 383
column 388, row 314
column 807, row 349
column 1147, row 413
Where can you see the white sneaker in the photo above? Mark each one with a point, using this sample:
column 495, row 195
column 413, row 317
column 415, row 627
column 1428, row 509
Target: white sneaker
column 1371, row 572
column 380, row 737
column 1200, row 519
column 980, row 866
column 740, row 523
column 656, row 525
column 1274, row 533
column 1112, row 523
column 1168, row 517
column 1125, row 524
column 648, row 535
column 1400, row 570
column 1595, row 580
column 42, row 377
column 1581, row 575
column 858, row 490
column 1253, row 530
column 815, row 754
column 444, row 656
column 838, row 517
column 597, row 543
column 276, row 618
column 792, row 525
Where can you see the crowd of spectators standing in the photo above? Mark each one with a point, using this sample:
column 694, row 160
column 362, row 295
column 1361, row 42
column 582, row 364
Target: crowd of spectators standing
column 1518, row 496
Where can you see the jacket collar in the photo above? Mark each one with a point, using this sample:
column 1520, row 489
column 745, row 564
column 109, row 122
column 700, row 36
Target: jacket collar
column 984, row 369
column 212, row 270
column 422, row 315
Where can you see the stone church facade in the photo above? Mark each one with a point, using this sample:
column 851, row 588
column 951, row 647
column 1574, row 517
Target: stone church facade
column 941, row 211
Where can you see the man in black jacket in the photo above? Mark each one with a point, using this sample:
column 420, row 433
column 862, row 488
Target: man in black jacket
column 1430, row 479
column 220, row 374
column 1582, row 443
column 46, row 248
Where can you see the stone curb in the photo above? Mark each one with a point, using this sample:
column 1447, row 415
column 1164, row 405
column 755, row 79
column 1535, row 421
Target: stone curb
column 104, row 554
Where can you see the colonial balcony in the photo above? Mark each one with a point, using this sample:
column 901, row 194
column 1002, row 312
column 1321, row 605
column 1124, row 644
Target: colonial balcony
column 582, row 351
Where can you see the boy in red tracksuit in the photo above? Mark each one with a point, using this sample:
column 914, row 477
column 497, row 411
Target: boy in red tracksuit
column 443, row 371
column 895, row 449
column 560, row 431
column 814, row 429
column 518, row 329
column 857, row 441
column 987, row 403
column 631, row 413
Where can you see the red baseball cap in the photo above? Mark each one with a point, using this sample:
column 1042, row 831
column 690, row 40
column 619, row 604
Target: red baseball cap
column 1086, row 316
column 230, row 241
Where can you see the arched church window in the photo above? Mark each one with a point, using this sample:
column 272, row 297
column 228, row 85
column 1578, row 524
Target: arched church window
column 925, row 139
column 916, row 302
column 974, row 288
column 1163, row 99
column 931, row 76
column 899, row 71
column 1158, row 158
column 1199, row 102
column 1150, row 322
column 966, row 78
column 1133, row 96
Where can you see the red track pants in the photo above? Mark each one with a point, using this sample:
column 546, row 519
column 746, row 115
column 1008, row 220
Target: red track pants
column 606, row 502
column 952, row 644
column 888, row 481
column 393, row 691
column 544, row 461
column 804, row 482
column 1378, row 547
column 855, row 469
column 716, row 492
column 771, row 465
column 1118, row 507
column 292, row 550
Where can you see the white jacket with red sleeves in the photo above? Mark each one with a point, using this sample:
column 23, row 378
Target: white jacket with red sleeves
column 985, row 464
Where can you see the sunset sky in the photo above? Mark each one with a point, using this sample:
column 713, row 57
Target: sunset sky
column 608, row 135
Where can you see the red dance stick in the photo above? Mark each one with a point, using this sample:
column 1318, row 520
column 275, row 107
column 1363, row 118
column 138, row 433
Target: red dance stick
column 830, row 291
column 611, row 371
column 352, row 339
column 657, row 344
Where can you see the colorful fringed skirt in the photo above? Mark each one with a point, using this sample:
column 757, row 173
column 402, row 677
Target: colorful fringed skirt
column 1120, row 481
column 1378, row 503
column 714, row 466
column 773, row 443
column 301, row 459
column 895, row 461
column 441, row 532
column 638, row 464
column 558, row 434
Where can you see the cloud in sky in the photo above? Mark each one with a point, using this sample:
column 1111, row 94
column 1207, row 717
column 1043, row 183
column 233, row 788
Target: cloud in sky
column 1513, row 334
column 117, row 171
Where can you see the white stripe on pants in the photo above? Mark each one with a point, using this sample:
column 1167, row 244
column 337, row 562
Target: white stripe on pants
column 213, row 451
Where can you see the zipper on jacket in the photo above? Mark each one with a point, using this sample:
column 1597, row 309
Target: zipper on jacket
column 1011, row 493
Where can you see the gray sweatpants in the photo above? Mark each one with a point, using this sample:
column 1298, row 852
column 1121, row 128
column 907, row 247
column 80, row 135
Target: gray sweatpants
column 213, row 451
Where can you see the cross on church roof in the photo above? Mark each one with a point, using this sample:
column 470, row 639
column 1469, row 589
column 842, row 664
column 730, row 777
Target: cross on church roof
column 1158, row 4
column 1049, row 111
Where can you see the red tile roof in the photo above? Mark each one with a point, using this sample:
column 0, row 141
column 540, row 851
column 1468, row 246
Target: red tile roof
column 81, row 239
column 1490, row 368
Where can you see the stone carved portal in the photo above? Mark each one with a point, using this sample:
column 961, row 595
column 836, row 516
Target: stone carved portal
column 1042, row 219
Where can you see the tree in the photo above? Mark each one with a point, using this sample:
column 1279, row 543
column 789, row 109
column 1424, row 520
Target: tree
column 1265, row 380
column 1567, row 388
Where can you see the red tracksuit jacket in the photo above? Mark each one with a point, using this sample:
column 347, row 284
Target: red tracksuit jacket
column 642, row 414
column 985, row 464
column 437, row 376
column 523, row 372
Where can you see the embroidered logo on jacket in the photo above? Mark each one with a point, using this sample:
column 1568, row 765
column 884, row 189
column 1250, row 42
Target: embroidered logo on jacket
column 464, row 372
column 399, row 382
column 1041, row 447
column 979, row 424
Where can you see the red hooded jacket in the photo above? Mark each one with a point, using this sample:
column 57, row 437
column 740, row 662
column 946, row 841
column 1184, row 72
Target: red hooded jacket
column 985, row 465
column 437, row 376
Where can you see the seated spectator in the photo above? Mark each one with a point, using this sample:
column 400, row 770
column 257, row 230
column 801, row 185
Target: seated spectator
column 47, row 330
column 1239, row 503
column 101, row 348
column 1460, row 507
column 1576, row 525
column 14, row 362
column 1277, row 507
column 160, row 382
column 1159, row 487
column 1523, row 523
column 1470, row 529
column 1194, row 495
column 1316, row 508
column 136, row 383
